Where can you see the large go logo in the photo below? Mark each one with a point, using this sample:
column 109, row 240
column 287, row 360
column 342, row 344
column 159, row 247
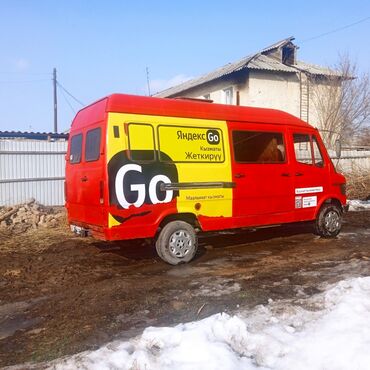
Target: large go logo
column 130, row 180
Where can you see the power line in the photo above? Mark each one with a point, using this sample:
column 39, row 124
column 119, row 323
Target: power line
column 23, row 81
column 25, row 73
column 67, row 101
column 336, row 30
column 67, row 92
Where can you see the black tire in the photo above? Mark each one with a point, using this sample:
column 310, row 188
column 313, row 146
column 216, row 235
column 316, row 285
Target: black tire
column 177, row 243
column 329, row 221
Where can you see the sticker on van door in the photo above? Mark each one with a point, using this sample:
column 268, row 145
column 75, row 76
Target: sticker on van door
column 298, row 202
column 315, row 189
column 309, row 202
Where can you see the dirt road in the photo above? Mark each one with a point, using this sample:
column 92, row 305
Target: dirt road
column 61, row 294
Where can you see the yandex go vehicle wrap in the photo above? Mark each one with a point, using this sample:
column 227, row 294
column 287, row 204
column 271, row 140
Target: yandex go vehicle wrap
column 140, row 167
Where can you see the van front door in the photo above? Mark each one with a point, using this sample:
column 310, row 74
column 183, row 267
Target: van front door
column 262, row 174
column 311, row 174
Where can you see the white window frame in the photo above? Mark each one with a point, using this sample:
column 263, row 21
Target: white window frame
column 228, row 96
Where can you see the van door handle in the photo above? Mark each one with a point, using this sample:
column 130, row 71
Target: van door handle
column 239, row 175
column 285, row 174
column 84, row 179
column 299, row 174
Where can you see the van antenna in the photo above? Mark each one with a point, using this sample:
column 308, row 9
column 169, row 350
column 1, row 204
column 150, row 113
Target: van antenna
column 148, row 80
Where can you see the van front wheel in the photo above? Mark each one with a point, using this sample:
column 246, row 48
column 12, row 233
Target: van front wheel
column 177, row 243
column 329, row 221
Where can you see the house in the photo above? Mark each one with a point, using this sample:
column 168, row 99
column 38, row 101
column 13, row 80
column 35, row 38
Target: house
column 270, row 78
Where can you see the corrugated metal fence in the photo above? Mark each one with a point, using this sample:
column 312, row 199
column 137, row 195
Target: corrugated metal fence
column 353, row 160
column 32, row 169
column 36, row 169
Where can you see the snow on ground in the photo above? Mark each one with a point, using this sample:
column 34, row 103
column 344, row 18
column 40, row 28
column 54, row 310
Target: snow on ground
column 358, row 205
column 330, row 330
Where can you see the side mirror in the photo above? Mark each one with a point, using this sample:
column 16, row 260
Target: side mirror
column 338, row 148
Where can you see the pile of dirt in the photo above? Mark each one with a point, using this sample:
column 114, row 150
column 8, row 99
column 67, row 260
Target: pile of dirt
column 30, row 215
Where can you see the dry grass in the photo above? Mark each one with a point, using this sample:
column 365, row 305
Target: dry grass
column 358, row 184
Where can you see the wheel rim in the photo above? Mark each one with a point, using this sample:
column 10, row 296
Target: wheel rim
column 180, row 243
column 332, row 221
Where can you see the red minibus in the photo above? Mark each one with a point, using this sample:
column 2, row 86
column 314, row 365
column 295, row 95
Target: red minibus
column 167, row 169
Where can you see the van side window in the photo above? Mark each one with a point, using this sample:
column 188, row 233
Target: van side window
column 92, row 146
column 76, row 149
column 258, row 147
column 302, row 148
column 141, row 142
column 319, row 161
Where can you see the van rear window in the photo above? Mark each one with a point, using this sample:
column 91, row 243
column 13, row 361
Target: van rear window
column 92, row 147
column 258, row 147
column 76, row 149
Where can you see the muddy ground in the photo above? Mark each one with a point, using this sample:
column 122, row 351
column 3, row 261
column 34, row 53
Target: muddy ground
column 61, row 294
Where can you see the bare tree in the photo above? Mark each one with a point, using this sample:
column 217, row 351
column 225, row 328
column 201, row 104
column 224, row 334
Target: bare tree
column 364, row 137
column 342, row 102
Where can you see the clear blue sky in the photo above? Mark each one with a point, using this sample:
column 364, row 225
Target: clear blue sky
column 101, row 47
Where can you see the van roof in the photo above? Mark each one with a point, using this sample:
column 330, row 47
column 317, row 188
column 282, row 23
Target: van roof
column 177, row 107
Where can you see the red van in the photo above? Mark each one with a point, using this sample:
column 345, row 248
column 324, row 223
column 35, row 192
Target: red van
column 142, row 167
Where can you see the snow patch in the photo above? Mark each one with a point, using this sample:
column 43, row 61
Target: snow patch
column 358, row 205
column 330, row 330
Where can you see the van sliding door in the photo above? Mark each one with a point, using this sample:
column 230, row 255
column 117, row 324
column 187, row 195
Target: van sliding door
column 261, row 171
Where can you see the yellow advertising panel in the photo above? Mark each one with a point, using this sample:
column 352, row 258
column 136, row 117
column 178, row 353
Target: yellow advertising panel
column 191, row 144
column 196, row 149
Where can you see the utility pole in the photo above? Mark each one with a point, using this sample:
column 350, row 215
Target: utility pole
column 148, row 80
column 55, row 100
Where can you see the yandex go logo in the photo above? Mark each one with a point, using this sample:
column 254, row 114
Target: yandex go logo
column 213, row 137
column 129, row 179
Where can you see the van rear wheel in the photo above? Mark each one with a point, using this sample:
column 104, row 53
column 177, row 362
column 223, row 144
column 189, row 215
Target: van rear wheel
column 329, row 221
column 177, row 243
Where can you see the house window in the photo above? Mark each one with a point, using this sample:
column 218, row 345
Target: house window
column 288, row 56
column 227, row 96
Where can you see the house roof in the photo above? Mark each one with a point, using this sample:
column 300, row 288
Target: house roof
column 258, row 61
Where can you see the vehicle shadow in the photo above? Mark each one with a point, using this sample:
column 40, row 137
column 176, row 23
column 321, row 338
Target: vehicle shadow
column 144, row 249
column 247, row 236
column 137, row 249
